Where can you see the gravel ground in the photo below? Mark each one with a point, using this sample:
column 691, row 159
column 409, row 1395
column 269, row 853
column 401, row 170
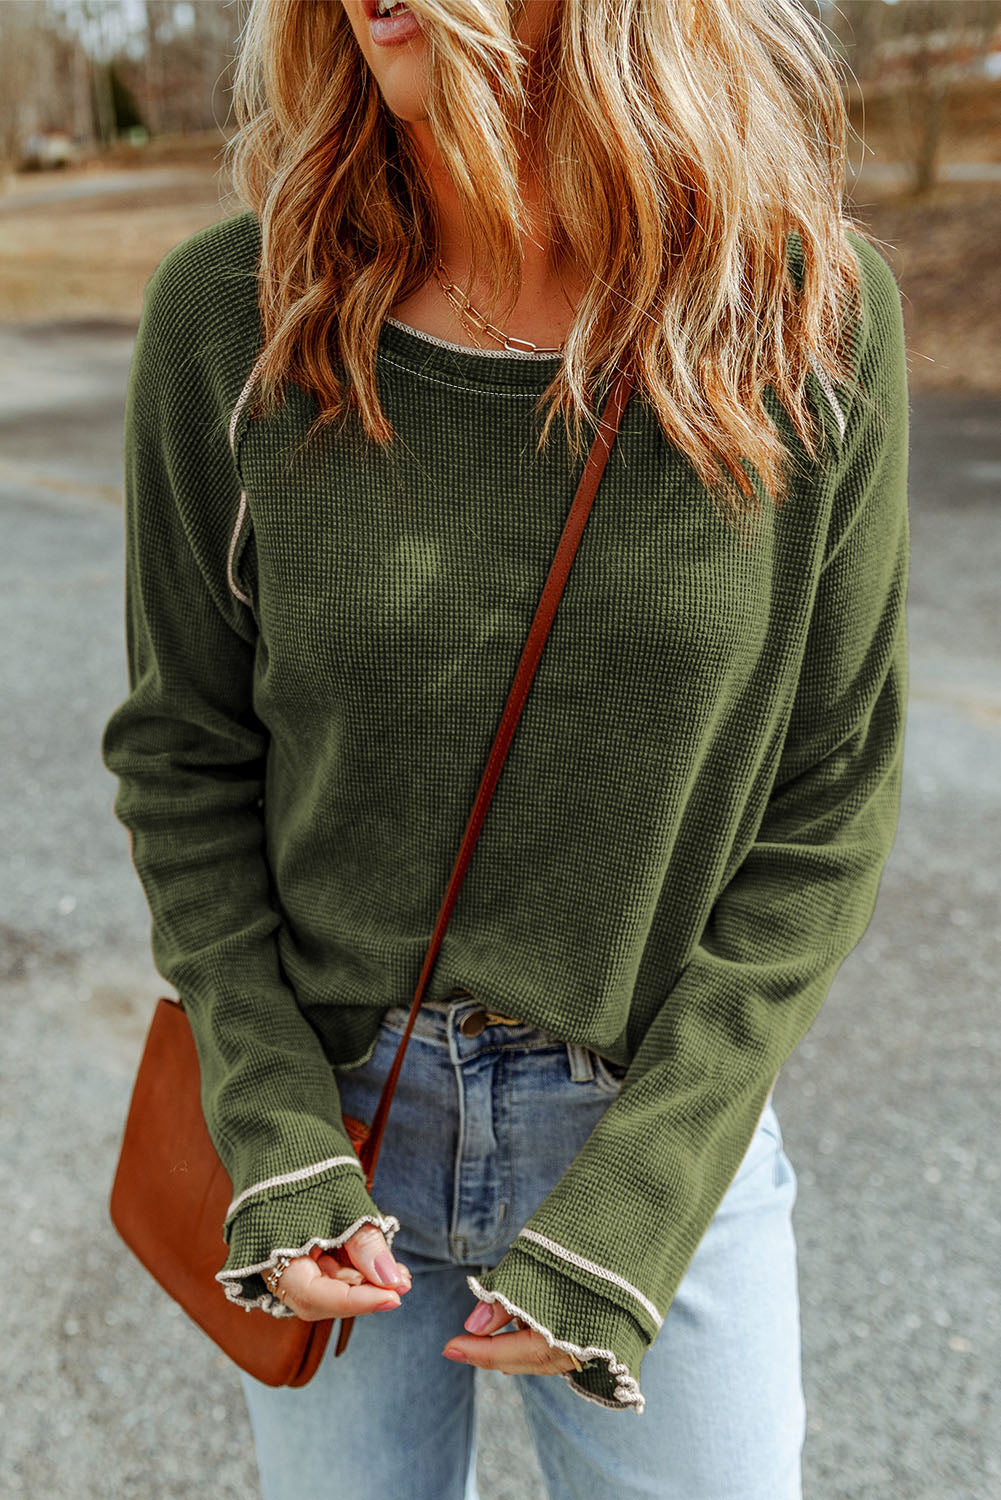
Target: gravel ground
column 108, row 1393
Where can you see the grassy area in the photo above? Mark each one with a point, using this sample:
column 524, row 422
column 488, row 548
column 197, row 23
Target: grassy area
column 91, row 256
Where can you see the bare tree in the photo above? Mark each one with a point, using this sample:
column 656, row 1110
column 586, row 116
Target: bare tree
column 858, row 28
column 101, row 19
column 944, row 37
column 44, row 78
column 57, row 56
column 21, row 42
column 914, row 54
column 187, row 55
column 159, row 26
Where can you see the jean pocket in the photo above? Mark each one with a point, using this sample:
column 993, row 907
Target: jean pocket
column 366, row 1078
column 769, row 1124
column 608, row 1075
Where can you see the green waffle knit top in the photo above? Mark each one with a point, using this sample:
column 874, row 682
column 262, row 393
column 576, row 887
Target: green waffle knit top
column 687, row 836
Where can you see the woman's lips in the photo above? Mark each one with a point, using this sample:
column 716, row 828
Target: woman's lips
column 389, row 31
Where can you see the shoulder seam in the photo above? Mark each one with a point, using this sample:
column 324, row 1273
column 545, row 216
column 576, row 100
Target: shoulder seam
column 241, row 514
column 828, row 390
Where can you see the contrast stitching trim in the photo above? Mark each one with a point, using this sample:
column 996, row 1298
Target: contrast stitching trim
column 627, row 1390
column 241, row 402
column 824, row 379
column 595, row 1270
column 465, row 349
column 233, row 1287
column 241, row 514
column 469, row 390
column 231, row 556
column 299, row 1175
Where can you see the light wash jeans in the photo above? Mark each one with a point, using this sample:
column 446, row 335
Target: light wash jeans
column 479, row 1131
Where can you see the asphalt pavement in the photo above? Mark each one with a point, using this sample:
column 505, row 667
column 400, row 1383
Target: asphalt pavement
column 888, row 1107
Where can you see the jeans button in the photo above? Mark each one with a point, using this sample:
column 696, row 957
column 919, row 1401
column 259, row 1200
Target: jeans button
column 474, row 1023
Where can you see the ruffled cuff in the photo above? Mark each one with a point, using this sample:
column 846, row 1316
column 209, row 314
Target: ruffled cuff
column 607, row 1340
column 292, row 1218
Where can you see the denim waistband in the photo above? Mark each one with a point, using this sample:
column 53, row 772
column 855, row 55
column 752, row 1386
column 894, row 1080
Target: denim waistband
column 438, row 1022
column 435, row 1019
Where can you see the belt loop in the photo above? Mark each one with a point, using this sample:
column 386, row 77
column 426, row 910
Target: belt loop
column 581, row 1063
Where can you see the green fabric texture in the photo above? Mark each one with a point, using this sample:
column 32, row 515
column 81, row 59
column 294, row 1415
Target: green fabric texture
column 686, row 839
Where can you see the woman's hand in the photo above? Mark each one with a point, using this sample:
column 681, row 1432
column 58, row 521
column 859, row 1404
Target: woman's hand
column 523, row 1353
column 318, row 1286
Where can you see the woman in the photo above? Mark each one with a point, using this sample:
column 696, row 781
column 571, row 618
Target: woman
column 340, row 510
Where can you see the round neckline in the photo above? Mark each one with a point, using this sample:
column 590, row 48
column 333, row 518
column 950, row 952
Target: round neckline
column 433, row 338
column 436, row 358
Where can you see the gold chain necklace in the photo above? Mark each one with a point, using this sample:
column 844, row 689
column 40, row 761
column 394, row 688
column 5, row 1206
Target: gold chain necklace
column 466, row 310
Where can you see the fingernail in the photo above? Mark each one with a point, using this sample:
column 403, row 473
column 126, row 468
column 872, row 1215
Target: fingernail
column 478, row 1318
column 387, row 1270
column 385, row 1306
column 457, row 1355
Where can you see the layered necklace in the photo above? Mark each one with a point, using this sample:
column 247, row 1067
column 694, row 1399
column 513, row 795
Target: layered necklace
column 469, row 314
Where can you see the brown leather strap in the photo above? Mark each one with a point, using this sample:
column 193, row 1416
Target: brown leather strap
column 544, row 615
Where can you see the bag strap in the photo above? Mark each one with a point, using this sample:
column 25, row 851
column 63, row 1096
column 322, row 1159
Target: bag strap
column 545, row 613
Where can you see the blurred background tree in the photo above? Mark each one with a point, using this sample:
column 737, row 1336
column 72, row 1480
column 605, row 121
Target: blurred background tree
column 132, row 84
column 78, row 75
column 909, row 61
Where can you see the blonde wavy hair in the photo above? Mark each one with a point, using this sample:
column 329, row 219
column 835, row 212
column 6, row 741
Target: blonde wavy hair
column 680, row 144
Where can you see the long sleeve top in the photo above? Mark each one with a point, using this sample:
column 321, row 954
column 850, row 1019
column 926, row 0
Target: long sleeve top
column 686, row 839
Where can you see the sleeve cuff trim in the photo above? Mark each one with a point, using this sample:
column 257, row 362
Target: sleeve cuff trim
column 232, row 1281
column 627, row 1391
column 287, row 1178
column 589, row 1265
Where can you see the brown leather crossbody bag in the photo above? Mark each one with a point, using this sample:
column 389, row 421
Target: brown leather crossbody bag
column 171, row 1191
